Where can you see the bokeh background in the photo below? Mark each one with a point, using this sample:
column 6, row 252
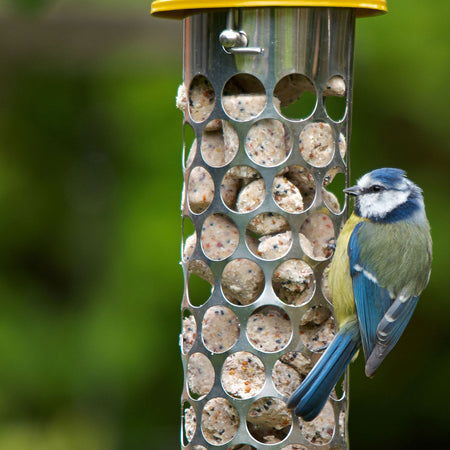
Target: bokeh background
column 90, row 183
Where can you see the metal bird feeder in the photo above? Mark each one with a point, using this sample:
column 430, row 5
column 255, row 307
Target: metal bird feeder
column 259, row 86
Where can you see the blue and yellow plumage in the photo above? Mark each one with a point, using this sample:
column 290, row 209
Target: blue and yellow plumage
column 381, row 264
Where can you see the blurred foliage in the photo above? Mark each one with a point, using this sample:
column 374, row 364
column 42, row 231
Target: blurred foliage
column 90, row 287
column 27, row 6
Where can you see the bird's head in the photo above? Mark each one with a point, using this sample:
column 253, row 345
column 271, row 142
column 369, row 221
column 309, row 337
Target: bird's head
column 386, row 195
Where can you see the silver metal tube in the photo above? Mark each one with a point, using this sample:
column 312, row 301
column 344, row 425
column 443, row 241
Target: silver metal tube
column 245, row 93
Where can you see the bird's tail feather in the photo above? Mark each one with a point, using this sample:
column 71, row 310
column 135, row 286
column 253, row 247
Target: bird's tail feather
column 311, row 396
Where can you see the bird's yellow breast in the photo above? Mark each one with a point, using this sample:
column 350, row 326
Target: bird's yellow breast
column 340, row 281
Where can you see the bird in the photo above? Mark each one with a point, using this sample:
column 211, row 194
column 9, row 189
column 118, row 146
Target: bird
column 381, row 264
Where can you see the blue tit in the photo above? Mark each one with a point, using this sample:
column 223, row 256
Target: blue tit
column 381, row 264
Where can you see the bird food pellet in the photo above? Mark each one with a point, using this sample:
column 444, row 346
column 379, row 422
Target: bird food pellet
column 243, row 375
column 220, row 421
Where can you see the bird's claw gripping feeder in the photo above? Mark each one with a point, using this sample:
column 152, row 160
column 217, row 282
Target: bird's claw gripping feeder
column 259, row 84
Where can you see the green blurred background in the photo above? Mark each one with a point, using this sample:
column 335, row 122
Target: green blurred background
column 90, row 182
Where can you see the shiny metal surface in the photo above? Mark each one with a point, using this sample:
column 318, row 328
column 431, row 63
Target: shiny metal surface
column 234, row 39
column 317, row 43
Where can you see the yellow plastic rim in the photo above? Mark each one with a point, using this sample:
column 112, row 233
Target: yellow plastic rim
column 178, row 9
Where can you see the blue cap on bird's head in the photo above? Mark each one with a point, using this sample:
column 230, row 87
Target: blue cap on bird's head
column 388, row 175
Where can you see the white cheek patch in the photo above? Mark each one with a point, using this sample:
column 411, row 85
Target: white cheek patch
column 380, row 204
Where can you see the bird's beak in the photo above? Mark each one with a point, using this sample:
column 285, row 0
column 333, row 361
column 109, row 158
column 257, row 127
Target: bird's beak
column 354, row 190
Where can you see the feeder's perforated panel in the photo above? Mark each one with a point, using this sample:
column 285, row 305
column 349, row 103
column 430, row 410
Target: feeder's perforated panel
column 266, row 139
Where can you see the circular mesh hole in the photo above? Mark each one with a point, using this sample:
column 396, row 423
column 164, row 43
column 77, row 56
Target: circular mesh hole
column 220, row 329
column 320, row 430
column 200, row 190
column 190, row 422
column 296, row 96
column 317, row 236
column 220, row 237
column 332, row 192
column 220, row 143
column 243, row 375
column 201, row 282
column 268, row 420
column 242, row 281
column 189, row 332
column 244, row 97
column 335, row 98
column 317, row 328
column 220, row 421
column 189, row 145
column 293, row 282
column 287, row 195
column 289, row 371
column 268, row 142
column 300, row 189
column 201, row 98
column 316, row 144
column 200, row 375
column 235, row 181
column 272, row 236
column 242, row 447
column 269, row 329
column 198, row 447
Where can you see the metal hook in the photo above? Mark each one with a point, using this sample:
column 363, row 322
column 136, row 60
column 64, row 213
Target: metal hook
column 236, row 42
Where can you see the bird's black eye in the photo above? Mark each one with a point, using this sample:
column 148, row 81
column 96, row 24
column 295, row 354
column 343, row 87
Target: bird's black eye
column 376, row 188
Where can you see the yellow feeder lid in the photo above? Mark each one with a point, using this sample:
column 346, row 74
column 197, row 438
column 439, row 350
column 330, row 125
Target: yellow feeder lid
column 178, row 9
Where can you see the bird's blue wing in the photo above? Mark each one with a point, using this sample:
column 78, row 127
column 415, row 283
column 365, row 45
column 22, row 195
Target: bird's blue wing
column 371, row 300
column 382, row 314
column 390, row 329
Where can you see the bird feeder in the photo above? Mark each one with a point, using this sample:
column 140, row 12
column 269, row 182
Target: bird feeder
column 266, row 95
